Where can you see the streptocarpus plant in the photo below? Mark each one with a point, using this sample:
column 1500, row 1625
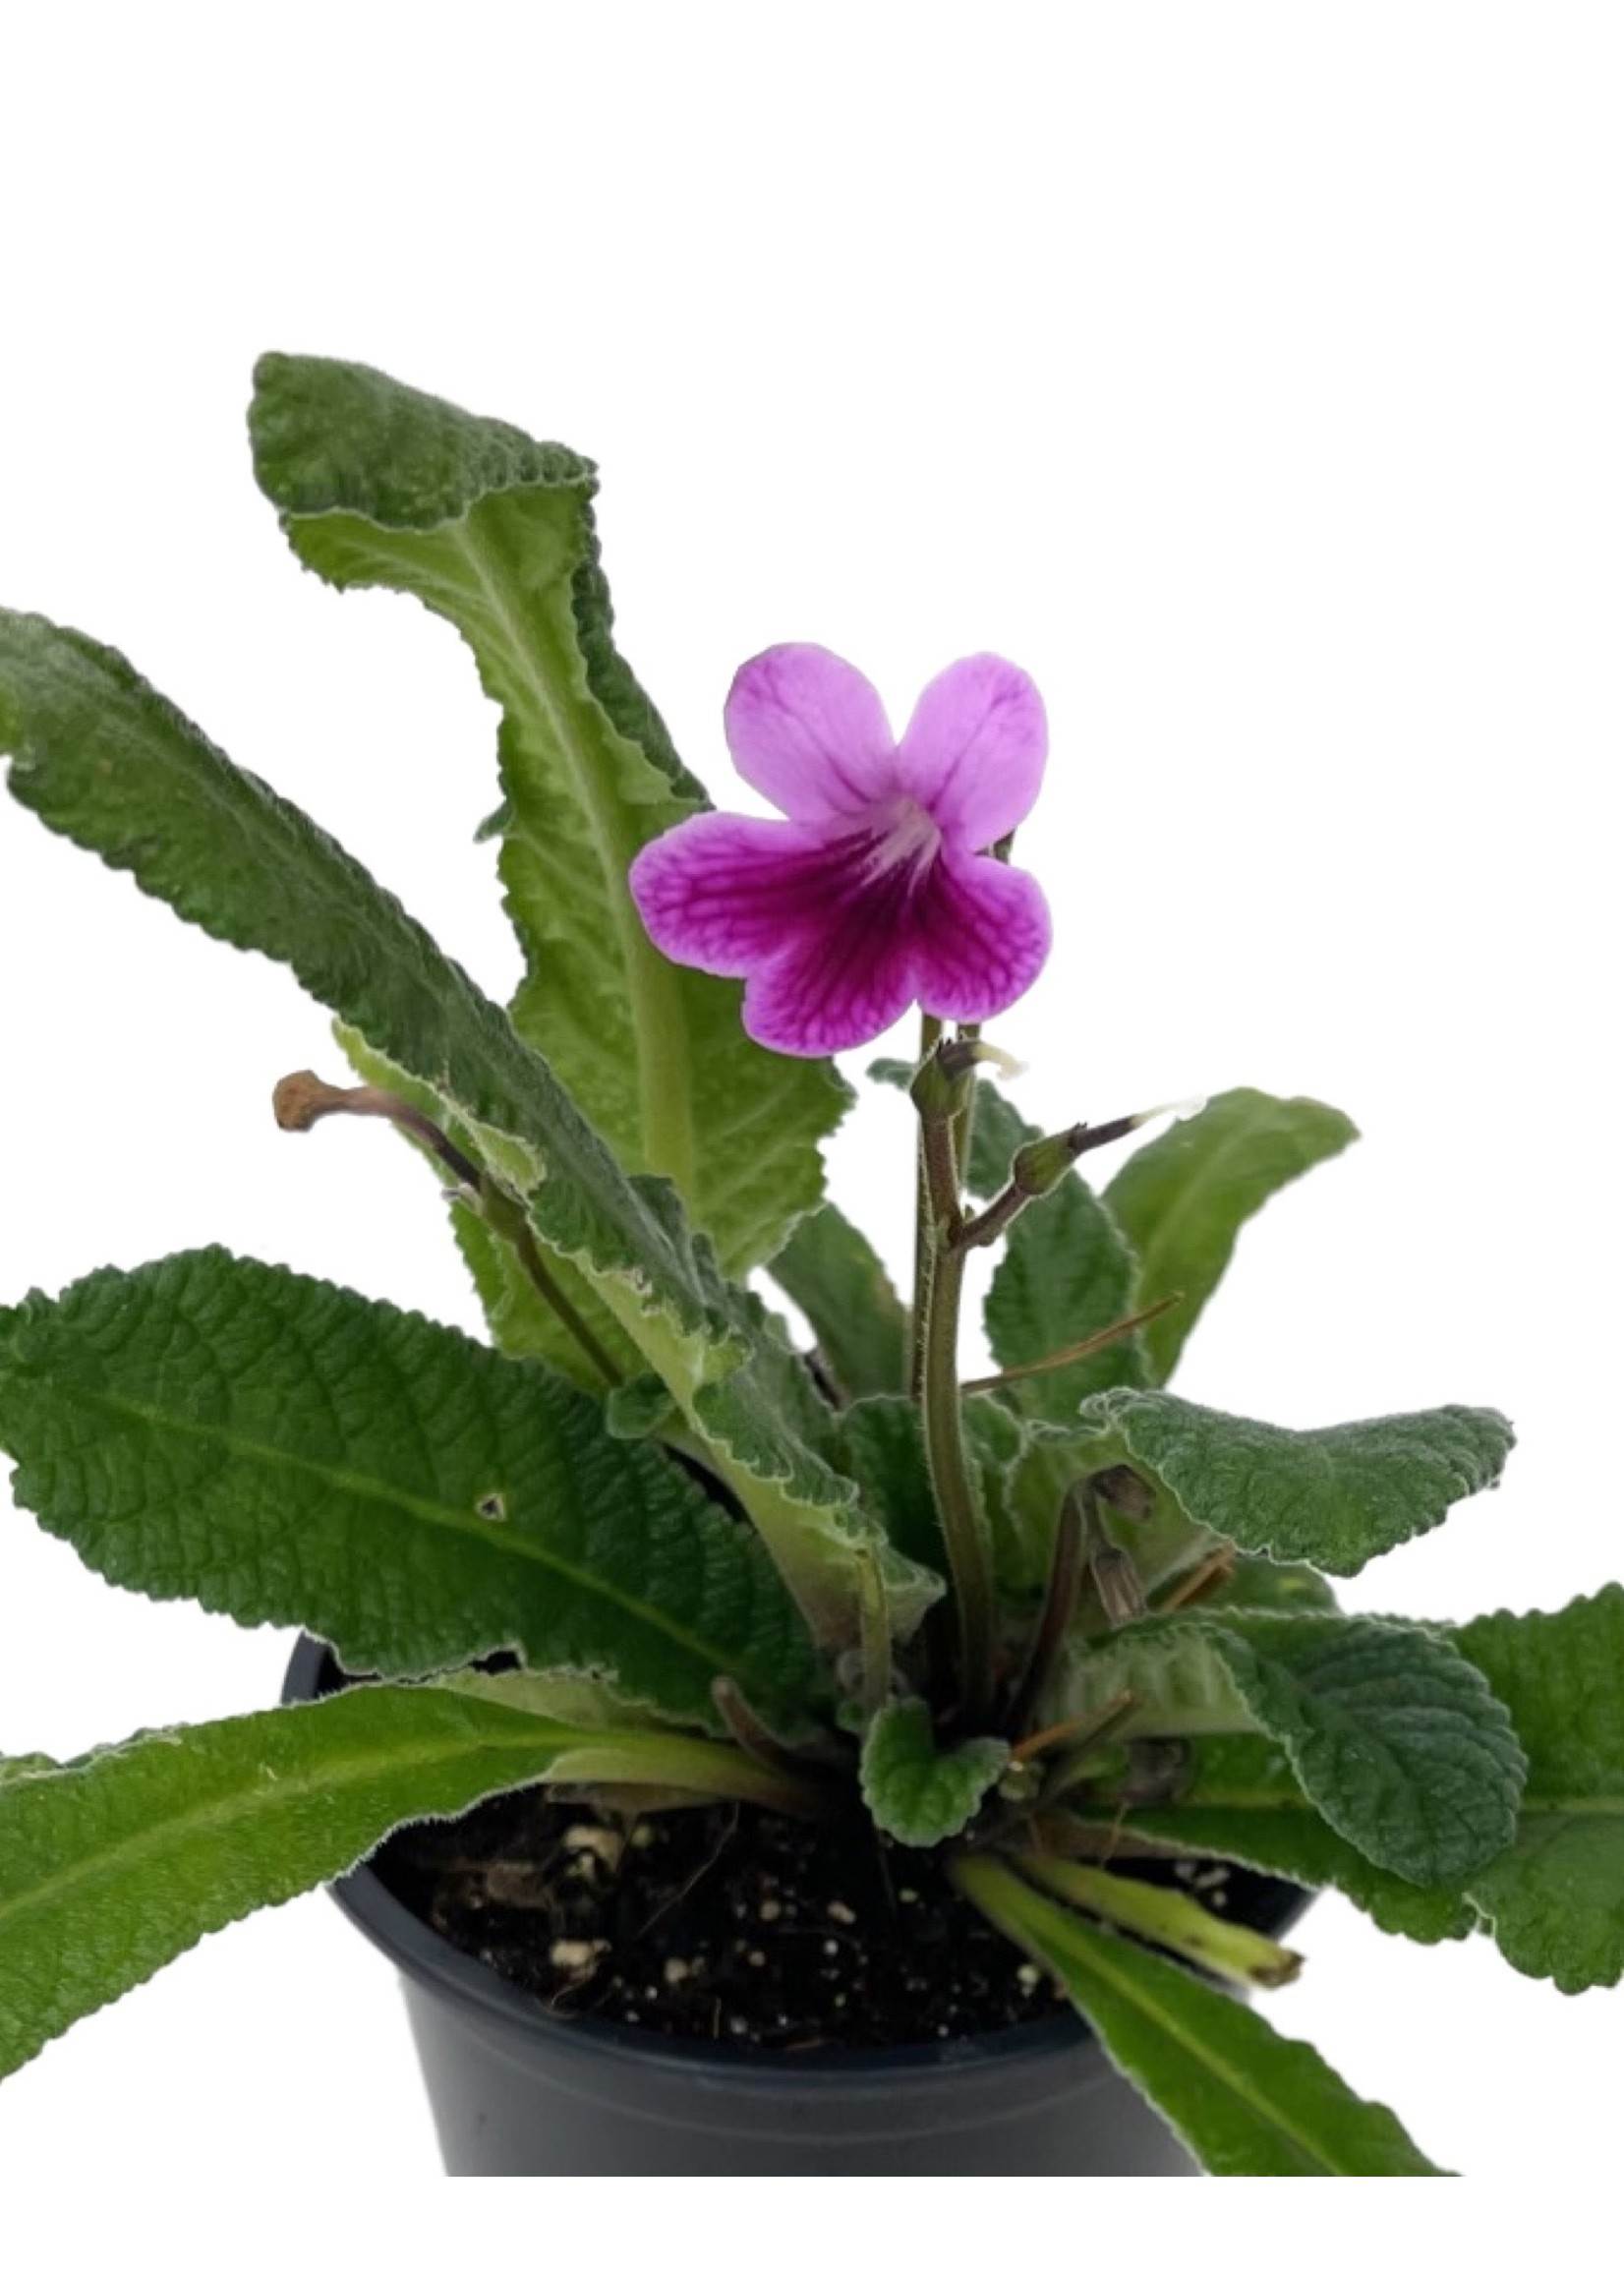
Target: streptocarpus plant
column 1035, row 1623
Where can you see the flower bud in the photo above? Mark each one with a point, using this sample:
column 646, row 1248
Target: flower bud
column 1038, row 1167
column 1126, row 1491
column 1117, row 1582
column 944, row 1082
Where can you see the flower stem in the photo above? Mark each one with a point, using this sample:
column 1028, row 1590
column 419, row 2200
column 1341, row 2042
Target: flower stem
column 1059, row 1604
column 930, row 1035
column 937, row 1096
column 301, row 1100
column 506, row 1219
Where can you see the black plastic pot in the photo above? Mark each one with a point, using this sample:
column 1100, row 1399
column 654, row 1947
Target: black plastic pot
column 518, row 2092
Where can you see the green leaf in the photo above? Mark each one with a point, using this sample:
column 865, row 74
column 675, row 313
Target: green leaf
column 1402, row 1747
column 104, row 760
column 1556, row 1900
column 918, row 1796
column 379, row 485
column 117, row 1863
column 639, row 1408
column 1398, row 1743
column 1249, row 2102
column 1066, row 1274
column 997, row 1132
column 1332, row 1497
column 881, row 1443
column 829, row 1269
column 1183, row 1198
column 1243, row 1803
column 287, row 1452
column 1254, row 1583
column 996, row 1441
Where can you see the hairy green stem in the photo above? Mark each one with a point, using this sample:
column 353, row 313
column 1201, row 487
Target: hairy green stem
column 969, row 1559
column 924, row 1243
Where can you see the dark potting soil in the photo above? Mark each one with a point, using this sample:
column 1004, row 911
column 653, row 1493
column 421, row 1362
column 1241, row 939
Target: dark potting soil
column 727, row 1923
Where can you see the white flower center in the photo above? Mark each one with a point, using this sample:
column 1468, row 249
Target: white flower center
column 906, row 837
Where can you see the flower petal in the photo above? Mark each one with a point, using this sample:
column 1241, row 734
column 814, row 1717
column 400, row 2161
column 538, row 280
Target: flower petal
column 982, row 936
column 974, row 749
column 808, row 731
column 724, row 892
column 836, row 991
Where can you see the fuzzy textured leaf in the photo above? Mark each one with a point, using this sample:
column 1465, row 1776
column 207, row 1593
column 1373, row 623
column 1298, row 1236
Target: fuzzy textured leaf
column 918, row 1796
column 1249, row 2102
column 114, row 1864
column 829, row 1269
column 1243, row 1803
column 104, row 760
column 1182, row 1198
column 1333, row 1498
column 376, row 484
column 1398, row 1743
column 1556, row 1900
column 287, row 1452
column 881, row 1443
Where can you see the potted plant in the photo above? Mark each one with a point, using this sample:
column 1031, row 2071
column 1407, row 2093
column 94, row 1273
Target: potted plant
column 901, row 1714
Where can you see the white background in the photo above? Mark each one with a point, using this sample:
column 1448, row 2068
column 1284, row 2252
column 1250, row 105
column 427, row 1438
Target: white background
column 1250, row 375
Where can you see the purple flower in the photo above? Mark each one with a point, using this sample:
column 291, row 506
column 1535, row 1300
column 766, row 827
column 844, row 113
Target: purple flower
column 873, row 892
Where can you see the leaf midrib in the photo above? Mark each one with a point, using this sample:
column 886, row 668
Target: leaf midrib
column 497, row 1535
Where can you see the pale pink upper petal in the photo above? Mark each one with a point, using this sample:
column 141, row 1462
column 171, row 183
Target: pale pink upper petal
column 724, row 892
column 834, row 992
column 974, row 749
column 981, row 935
column 808, row 730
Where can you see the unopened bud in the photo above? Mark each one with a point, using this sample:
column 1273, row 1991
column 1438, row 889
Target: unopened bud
column 1126, row 1491
column 944, row 1081
column 1038, row 1167
column 1117, row 1582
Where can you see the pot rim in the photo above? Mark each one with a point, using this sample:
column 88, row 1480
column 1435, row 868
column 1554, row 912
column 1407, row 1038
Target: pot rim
column 437, row 1964
column 434, row 1964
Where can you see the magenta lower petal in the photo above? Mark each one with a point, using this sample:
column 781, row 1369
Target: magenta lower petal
column 808, row 730
column 974, row 750
column 981, row 936
column 724, row 892
column 833, row 993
